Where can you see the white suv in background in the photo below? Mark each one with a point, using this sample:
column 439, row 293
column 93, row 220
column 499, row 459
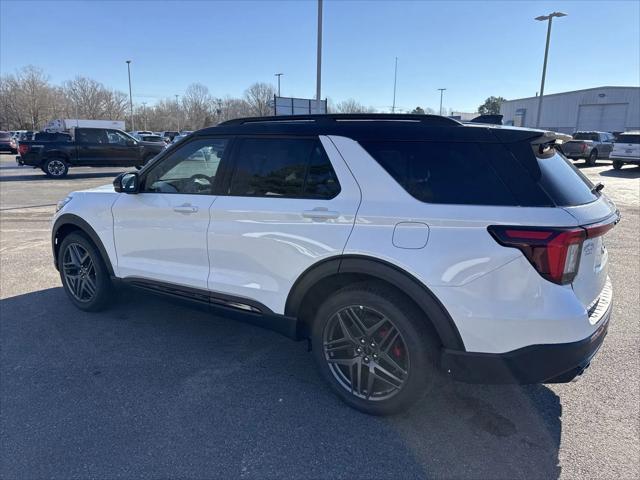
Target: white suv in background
column 626, row 149
column 399, row 245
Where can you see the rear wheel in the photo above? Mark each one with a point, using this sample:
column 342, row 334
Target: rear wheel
column 83, row 273
column 593, row 158
column 55, row 167
column 617, row 164
column 373, row 347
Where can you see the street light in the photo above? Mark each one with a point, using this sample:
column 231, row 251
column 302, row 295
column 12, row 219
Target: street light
column 130, row 96
column 144, row 113
column 395, row 84
column 441, row 92
column 319, row 52
column 542, row 18
column 279, row 75
column 177, row 112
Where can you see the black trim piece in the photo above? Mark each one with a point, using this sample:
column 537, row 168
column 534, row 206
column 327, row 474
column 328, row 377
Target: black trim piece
column 359, row 264
column 238, row 308
column 328, row 118
column 550, row 363
column 82, row 225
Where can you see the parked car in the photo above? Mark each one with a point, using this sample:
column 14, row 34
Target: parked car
column 626, row 149
column 7, row 143
column 400, row 246
column 25, row 136
column 150, row 138
column 140, row 132
column 588, row 145
column 92, row 147
column 170, row 135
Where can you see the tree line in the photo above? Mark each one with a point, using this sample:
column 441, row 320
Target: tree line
column 29, row 100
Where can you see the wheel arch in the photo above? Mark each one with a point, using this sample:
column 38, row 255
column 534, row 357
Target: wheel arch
column 331, row 274
column 69, row 223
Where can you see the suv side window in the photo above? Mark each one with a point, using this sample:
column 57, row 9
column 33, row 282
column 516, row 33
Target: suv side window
column 191, row 169
column 443, row 172
column 283, row 167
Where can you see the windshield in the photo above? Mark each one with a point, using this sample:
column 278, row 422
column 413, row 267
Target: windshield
column 585, row 136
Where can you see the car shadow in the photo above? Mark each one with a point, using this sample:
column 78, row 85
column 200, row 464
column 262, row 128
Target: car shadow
column 37, row 175
column 154, row 388
column 625, row 172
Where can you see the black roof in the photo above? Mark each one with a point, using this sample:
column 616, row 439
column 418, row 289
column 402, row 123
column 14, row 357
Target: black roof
column 371, row 127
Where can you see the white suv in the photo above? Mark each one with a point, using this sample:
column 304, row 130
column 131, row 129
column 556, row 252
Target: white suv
column 626, row 149
column 400, row 246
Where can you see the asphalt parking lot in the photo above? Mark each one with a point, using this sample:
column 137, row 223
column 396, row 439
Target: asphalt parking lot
column 154, row 389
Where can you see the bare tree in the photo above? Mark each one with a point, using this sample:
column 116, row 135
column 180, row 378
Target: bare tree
column 259, row 98
column 197, row 103
column 353, row 106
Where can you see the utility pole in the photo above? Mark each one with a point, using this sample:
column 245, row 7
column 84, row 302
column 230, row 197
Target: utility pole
column 144, row 113
column 319, row 53
column 542, row 18
column 130, row 96
column 177, row 113
column 441, row 92
column 279, row 75
column 395, row 83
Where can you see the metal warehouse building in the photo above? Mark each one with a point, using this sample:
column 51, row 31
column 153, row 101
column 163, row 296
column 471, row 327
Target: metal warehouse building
column 607, row 109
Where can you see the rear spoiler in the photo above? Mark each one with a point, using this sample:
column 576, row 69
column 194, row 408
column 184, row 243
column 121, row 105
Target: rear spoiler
column 489, row 119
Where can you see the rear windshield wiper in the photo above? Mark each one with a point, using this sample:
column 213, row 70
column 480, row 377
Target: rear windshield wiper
column 597, row 187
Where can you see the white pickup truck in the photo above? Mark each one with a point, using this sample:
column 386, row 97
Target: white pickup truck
column 626, row 149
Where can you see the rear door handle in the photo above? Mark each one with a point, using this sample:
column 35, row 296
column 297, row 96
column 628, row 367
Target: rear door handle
column 320, row 214
column 185, row 209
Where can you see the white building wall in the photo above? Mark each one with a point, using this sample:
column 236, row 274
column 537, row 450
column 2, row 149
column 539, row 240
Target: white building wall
column 607, row 109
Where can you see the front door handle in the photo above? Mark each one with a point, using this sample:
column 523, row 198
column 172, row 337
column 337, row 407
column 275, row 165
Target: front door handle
column 186, row 208
column 320, row 214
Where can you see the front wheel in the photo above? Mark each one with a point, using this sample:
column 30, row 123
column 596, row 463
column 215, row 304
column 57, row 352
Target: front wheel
column 55, row 168
column 373, row 347
column 83, row 273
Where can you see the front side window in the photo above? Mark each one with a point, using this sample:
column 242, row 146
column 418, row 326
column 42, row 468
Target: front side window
column 283, row 167
column 118, row 138
column 91, row 136
column 190, row 169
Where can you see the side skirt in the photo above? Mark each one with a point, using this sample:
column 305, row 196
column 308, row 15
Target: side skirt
column 229, row 306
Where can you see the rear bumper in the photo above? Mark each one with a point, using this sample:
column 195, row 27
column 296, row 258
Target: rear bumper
column 551, row 363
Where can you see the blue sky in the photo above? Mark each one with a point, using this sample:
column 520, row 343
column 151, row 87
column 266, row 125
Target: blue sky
column 473, row 48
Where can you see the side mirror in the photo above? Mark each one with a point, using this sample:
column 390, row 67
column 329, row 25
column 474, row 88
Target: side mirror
column 127, row 182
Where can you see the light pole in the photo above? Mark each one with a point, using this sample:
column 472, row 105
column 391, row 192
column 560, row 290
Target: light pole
column 130, row 96
column 144, row 113
column 395, row 83
column 441, row 92
column 319, row 52
column 279, row 75
column 542, row 18
column 177, row 113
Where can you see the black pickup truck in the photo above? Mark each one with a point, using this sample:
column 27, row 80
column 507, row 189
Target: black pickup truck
column 86, row 147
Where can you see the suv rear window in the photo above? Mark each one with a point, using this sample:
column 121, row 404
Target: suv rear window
column 586, row 136
column 631, row 138
column 443, row 172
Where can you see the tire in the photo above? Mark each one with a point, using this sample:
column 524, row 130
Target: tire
column 406, row 349
column 593, row 158
column 86, row 280
column 617, row 164
column 55, row 167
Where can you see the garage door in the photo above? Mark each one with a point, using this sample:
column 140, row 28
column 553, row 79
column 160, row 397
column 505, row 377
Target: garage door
column 607, row 118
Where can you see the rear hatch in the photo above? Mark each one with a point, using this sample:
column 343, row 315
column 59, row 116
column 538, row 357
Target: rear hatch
column 571, row 190
column 576, row 254
column 627, row 146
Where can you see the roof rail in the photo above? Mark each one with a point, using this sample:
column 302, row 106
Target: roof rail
column 433, row 120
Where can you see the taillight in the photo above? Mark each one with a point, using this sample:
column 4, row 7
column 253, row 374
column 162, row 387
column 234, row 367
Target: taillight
column 22, row 148
column 553, row 252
